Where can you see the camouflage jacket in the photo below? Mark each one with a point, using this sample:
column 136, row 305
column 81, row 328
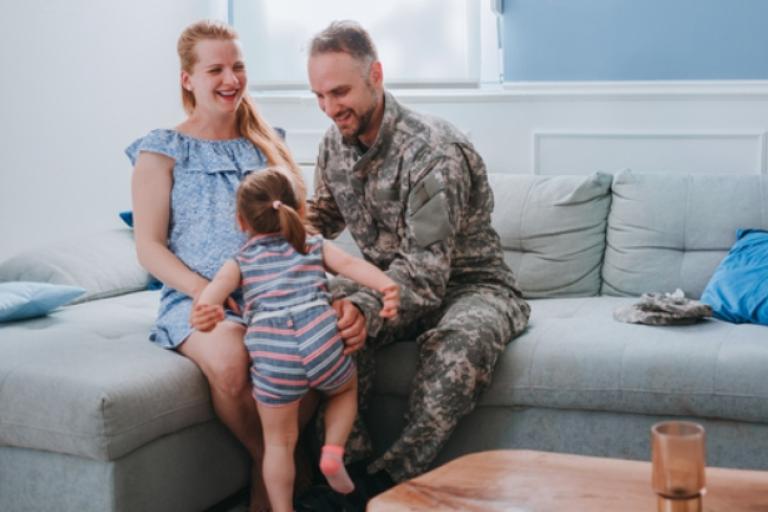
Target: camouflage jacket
column 418, row 204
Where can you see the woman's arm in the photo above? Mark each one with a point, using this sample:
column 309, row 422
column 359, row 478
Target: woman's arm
column 367, row 274
column 151, row 193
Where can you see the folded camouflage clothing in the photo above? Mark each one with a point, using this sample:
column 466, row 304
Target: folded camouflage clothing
column 663, row 309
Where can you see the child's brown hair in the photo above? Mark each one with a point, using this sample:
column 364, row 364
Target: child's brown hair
column 267, row 202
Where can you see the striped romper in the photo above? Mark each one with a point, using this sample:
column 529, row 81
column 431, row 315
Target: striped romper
column 292, row 336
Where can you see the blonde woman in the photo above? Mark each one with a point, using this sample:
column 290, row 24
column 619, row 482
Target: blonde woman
column 183, row 188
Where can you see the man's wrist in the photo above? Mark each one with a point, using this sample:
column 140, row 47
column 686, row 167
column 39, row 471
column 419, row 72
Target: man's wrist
column 369, row 305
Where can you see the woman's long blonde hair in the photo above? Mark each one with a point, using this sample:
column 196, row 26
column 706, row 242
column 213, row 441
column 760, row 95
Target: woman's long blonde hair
column 250, row 123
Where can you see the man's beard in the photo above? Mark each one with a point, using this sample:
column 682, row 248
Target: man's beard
column 363, row 123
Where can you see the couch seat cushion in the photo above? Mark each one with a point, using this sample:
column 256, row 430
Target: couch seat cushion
column 575, row 356
column 86, row 381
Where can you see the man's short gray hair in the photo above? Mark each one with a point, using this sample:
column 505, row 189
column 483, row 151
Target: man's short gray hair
column 345, row 36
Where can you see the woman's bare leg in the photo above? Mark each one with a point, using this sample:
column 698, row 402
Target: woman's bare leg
column 224, row 360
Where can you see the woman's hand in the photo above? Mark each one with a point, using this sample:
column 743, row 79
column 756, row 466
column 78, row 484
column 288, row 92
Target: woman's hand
column 351, row 325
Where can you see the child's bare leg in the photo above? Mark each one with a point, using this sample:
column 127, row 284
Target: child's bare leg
column 339, row 415
column 281, row 430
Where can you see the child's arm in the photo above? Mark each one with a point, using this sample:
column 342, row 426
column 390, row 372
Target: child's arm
column 339, row 262
column 208, row 310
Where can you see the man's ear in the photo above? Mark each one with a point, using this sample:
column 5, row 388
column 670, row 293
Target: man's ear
column 376, row 73
column 185, row 82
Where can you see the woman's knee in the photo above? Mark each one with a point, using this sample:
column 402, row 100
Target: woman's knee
column 222, row 357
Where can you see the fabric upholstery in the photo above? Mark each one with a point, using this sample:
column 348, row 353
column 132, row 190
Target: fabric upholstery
column 95, row 417
column 583, row 432
column 668, row 231
column 104, row 264
column 575, row 356
column 87, row 381
column 553, row 231
column 191, row 469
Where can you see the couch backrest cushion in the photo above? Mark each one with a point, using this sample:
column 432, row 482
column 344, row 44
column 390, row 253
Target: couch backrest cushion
column 552, row 230
column 103, row 263
column 668, row 231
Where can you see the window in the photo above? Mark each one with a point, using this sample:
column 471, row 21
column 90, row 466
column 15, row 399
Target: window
column 421, row 43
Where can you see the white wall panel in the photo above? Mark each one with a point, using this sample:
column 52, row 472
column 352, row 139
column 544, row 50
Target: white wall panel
column 581, row 153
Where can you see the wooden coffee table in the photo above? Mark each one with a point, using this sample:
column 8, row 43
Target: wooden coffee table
column 522, row 480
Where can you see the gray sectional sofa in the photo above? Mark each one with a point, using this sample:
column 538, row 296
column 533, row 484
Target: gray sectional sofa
column 93, row 417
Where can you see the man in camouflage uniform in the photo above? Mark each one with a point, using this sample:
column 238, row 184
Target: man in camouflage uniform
column 414, row 194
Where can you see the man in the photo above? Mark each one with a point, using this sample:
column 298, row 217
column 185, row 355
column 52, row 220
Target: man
column 414, row 194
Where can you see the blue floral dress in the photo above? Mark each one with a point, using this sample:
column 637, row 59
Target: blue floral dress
column 202, row 232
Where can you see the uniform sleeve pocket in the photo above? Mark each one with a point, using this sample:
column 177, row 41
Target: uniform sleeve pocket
column 428, row 210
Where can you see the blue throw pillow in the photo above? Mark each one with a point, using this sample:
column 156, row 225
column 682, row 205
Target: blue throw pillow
column 738, row 290
column 24, row 299
column 154, row 283
column 127, row 217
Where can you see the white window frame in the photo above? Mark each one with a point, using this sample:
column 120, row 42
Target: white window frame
column 488, row 54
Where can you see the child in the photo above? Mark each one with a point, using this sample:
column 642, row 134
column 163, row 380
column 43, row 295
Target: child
column 292, row 336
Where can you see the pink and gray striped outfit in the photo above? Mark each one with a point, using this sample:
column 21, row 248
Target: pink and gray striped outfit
column 292, row 337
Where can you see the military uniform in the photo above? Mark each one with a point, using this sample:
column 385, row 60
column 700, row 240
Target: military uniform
column 418, row 204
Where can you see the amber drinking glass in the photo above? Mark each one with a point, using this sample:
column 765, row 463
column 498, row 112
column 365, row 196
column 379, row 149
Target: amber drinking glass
column 678, row 461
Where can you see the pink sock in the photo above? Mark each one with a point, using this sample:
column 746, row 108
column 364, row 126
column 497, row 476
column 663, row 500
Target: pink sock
column 332, row 466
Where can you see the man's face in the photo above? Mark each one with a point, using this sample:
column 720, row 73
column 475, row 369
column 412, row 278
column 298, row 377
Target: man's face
column 347, row 91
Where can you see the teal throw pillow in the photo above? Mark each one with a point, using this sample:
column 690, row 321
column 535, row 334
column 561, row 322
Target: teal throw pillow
column 738, row 290
column 24, row 299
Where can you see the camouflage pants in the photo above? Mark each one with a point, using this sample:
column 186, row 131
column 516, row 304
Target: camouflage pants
column 458, row 345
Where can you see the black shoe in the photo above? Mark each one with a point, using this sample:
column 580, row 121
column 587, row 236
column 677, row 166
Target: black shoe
column 367, row 486
column 321, row 498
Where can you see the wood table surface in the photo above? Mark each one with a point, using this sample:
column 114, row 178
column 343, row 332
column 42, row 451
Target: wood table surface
column 530, row 481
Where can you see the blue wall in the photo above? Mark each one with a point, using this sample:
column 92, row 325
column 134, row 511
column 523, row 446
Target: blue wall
column 635, row 39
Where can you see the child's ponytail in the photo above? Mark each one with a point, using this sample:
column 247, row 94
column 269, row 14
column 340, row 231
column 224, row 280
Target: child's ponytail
column 268, row 202
column 291, row 226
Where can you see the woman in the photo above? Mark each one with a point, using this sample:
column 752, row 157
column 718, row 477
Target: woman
column 183, row 187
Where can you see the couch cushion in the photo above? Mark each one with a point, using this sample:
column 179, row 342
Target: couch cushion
column 104, row 264
column 86, row 381
column 575, row 356
column 668, row 231
column 552, row 231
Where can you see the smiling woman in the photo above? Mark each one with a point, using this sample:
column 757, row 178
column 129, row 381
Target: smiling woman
column 183, row 187
column 214, row 86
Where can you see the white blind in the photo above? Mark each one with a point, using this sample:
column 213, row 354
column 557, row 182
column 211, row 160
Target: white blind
column 420, row 42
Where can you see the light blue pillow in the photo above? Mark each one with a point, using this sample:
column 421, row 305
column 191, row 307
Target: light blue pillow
column 25, row 299
column 738, row 290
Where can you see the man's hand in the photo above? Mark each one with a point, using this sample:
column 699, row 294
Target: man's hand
column 204, row 317
column 351, row 325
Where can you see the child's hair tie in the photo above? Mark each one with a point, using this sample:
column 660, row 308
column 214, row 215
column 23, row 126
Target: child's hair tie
column 276, row 204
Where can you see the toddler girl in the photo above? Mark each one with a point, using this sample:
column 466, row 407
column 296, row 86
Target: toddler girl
column 291, row 336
